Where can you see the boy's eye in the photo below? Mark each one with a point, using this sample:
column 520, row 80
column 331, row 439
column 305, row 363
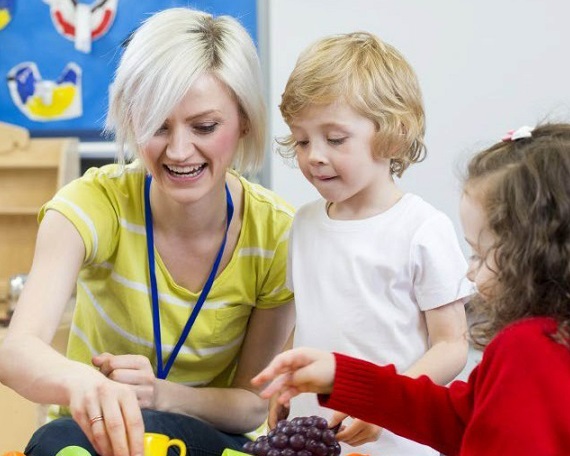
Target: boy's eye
column 206, row 127
column 301, row 143
column 336, row 141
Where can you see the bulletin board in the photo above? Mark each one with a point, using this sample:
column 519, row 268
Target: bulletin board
column 58, row 57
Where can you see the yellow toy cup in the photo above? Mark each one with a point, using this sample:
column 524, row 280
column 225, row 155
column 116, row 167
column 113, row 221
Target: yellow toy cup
column 158, row 444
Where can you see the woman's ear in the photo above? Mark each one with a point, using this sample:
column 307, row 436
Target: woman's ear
column 244, row 126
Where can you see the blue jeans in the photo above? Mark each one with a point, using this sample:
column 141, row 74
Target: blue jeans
column 201, row 439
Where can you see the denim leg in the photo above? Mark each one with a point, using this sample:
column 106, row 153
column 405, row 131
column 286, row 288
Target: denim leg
column 200, row 438
column 55, row 435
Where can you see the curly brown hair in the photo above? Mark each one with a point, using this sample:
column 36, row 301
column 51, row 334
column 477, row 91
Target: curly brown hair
column 524, row 188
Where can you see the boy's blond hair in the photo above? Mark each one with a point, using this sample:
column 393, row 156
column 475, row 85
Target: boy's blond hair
column 374, row 79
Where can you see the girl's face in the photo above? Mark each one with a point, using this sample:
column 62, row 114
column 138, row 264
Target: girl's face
column 191, row 151
column 482, row 264
column 334, row 152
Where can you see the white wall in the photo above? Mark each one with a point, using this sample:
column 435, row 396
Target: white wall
column 485, row 67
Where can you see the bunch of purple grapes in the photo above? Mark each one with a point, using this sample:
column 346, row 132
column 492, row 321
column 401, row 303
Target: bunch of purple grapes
column 302, row 436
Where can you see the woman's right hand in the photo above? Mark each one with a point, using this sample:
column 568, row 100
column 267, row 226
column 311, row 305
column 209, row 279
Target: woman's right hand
column 109, row 415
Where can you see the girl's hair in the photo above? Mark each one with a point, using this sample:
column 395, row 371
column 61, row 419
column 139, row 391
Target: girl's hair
column 161, row 61
column 523, row 186
column 374, row 79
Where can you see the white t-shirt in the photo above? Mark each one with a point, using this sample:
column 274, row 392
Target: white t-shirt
column 361, row 287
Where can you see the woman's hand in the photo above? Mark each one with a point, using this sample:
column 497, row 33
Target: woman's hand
column 109, row 415
column 133, row 370
column 296, row 371
column 357, row 432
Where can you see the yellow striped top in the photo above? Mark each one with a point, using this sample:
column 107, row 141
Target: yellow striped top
column 113, row 305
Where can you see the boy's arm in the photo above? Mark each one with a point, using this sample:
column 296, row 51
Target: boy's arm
column 447, row 355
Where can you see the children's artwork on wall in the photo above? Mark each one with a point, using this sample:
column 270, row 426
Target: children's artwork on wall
column 53, row 89
column 6, row 12
column 44, row 100
column 81, row 22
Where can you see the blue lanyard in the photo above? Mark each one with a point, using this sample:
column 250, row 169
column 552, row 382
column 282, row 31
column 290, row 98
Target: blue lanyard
column 162, row 371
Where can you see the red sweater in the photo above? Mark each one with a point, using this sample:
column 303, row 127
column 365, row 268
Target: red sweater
column 516, row 401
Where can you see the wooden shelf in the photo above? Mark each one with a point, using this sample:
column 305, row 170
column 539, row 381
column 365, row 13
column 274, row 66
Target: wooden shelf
column 30, row 174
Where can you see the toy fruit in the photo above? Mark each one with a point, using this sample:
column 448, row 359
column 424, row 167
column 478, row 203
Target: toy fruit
column 73, row 450
column 230, row 452
column 13, row 453
column 302, row 436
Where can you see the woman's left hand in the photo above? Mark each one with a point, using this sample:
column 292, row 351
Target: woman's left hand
column 133, row 370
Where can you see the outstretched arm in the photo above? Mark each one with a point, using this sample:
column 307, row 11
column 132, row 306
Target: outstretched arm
column 30, row 366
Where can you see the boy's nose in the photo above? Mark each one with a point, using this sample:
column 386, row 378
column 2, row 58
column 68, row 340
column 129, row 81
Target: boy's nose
column 316, row 154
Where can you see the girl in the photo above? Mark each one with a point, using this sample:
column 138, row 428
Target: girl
column 514, row 211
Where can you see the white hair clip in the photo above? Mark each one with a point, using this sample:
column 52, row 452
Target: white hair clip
column 523, row 132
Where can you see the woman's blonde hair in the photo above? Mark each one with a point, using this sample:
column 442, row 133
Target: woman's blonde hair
column 374, row 79
column 163, row 58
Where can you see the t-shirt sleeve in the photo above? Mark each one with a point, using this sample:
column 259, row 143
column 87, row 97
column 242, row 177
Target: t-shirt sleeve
column 87, row 204
column 439, row 266
column 275, row 291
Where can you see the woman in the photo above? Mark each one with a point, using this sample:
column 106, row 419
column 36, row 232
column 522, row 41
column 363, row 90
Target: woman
column 179, row 261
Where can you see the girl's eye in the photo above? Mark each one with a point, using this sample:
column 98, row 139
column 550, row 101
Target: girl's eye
column 206, row 128
column 336, row 141
column 474, row 258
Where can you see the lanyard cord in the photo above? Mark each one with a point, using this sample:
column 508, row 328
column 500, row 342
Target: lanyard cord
column 162, row 371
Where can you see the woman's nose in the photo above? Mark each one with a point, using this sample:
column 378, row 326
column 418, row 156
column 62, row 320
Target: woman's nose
column 180, row 145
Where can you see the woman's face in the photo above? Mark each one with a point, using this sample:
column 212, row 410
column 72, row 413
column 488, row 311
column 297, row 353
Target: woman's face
column 189, row 154
column 482, row 264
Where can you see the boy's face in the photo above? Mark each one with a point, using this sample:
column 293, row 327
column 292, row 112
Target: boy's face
column 333, row 145
column 482, row 264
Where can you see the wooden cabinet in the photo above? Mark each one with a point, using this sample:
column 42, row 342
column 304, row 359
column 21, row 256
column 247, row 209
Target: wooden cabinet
column 31, row 171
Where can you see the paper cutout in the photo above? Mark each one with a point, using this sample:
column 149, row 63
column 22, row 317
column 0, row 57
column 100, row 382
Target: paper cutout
column 6, row 12
column 46, row 100
column 82, row 23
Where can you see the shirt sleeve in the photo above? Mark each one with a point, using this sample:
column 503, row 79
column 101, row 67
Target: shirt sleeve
column 87, row 204
column 416, row 409
column 439, row 266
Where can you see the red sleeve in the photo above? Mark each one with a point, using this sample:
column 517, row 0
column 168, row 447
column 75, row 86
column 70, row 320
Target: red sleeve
column 417, row 409
column 517, row 401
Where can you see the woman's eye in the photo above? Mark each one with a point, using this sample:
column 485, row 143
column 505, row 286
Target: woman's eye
column 206, row 128
column 336, row 141
column 162, row 130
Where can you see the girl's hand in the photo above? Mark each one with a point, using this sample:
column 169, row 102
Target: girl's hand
column 357, row 432
column 133, row 370
column 109, row 415
column 297, row 371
